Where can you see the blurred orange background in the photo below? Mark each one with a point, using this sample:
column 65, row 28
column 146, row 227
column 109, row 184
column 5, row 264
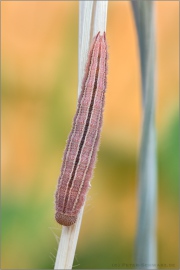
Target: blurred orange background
column 39, row 51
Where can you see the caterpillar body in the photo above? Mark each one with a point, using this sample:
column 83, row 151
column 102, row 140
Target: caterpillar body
column 82, row 145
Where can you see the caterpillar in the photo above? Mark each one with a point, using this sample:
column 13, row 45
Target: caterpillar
column 82, row 144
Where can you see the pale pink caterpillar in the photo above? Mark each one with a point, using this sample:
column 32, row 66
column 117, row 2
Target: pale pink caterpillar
column 82, row 145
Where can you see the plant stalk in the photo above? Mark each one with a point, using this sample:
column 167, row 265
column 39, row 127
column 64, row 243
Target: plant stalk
column 146, row 246
column 92, row 19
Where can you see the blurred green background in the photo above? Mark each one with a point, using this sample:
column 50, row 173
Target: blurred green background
column 39, row 93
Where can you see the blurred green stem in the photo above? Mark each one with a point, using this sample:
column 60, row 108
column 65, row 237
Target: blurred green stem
column 146, row 232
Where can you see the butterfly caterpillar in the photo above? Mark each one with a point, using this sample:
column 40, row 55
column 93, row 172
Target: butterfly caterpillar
column 82, row 145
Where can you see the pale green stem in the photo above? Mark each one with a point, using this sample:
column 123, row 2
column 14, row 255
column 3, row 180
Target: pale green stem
column 146, row 246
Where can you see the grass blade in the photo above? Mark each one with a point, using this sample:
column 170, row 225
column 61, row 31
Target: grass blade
column 92, row 18
column 145, row 248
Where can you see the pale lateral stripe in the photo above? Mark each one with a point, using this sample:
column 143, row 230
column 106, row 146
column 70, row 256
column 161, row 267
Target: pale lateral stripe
column 100, row 116
column 92, row 58
column 101, row 61
column 97, row 133
column 84, row 123
column 81, row 104
column 77, row 167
